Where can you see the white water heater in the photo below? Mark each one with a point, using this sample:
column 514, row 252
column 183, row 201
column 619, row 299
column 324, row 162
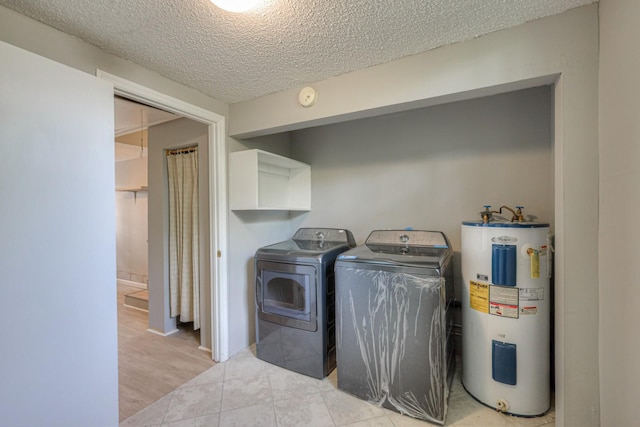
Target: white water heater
column 506, row 306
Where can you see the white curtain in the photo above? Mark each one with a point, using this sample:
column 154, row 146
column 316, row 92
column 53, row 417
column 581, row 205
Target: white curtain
column 184, row 280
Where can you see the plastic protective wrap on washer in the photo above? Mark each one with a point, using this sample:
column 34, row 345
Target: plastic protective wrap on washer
column 392, row 341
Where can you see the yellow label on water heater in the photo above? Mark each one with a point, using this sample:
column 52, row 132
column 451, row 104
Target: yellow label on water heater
column 534, row 257
column 479, row 296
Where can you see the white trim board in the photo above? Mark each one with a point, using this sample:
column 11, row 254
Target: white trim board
column 162, row 334
column 132, row 284
column 136, row 308
column 217, row 198
column 208, row 350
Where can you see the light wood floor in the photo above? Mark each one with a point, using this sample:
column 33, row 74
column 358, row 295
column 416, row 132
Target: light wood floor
column 151, row 366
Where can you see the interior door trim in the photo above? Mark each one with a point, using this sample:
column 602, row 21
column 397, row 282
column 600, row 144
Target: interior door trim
column 219, row 270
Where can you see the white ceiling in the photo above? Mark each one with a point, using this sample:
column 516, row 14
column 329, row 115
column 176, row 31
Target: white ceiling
column 285, row 43
column 133, row 117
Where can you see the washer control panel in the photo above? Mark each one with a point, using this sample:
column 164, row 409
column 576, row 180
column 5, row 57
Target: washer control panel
column 434, row 239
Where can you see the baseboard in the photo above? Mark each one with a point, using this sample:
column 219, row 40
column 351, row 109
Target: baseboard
column 208, row 350
column 162, row 334
column 132, row 284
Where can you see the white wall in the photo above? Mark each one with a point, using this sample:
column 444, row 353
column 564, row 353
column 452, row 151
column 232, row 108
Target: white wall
column 59, row 360
column 132, row 250
column 619, row 203
column 561, row 49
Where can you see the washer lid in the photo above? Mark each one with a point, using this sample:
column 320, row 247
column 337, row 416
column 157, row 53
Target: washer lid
column 312, row 241
column 313, row 246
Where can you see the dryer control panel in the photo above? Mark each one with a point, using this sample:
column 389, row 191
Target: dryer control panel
column 324, row 234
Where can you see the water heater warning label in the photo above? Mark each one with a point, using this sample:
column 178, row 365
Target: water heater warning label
column 503, row 301
column 479, row 296
column 531, row 294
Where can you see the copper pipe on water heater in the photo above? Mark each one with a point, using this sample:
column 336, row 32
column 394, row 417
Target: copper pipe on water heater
column 517, row 216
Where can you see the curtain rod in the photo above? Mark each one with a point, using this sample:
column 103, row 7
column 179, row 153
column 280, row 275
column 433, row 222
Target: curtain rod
column 181, row 151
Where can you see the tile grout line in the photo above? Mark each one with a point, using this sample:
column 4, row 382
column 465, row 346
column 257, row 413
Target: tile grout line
column 327, row 406
column 224, row 382
column 273, row 401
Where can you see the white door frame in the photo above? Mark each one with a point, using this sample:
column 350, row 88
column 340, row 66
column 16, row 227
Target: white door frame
column 217, row 197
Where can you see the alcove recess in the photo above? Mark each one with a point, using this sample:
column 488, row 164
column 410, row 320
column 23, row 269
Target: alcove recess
column 260, row 180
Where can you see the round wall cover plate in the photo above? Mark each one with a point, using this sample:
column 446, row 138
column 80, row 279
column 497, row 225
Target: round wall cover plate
column 307, row 96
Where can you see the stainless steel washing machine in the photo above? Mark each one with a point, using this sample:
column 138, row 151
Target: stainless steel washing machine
column 295, row 300
column 393, row 321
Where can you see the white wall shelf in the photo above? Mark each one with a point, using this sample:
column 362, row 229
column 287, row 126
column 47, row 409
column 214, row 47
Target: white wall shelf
column 134, row 190
column 260, row 180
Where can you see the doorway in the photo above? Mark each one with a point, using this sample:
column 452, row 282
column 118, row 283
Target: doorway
column 217, row 161
column 132, row 123
column 159, row 363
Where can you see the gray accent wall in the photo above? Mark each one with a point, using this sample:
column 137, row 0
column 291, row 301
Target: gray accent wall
column 176, row 134
column 431, row 168
column 561, row 51
column 248, row 231
column 619, row 251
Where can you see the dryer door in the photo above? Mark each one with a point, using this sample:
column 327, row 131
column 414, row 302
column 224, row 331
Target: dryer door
column 286, row 294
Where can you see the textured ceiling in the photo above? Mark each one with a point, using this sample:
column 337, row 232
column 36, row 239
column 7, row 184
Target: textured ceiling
column 285, row 43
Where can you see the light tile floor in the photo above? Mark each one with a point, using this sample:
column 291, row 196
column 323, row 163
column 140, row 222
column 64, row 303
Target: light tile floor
column 245, row 391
